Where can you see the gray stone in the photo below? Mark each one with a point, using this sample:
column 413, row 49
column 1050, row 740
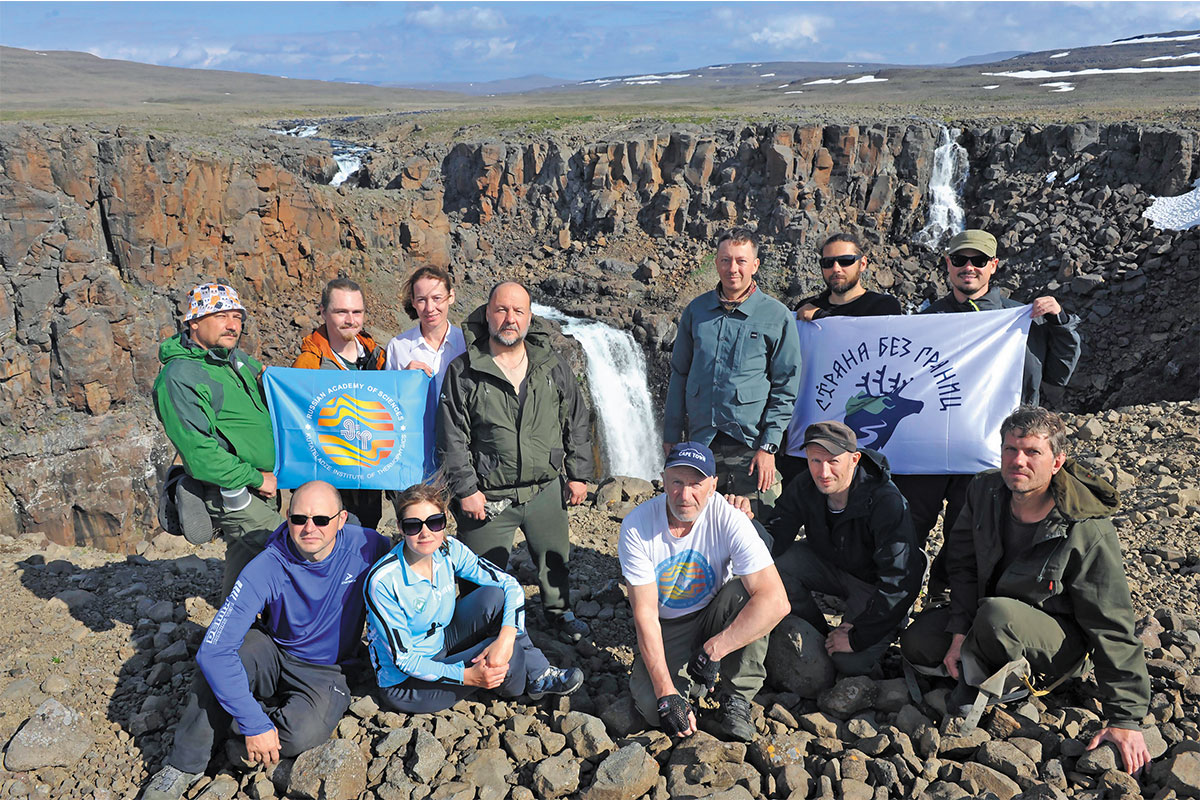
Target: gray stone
column 621, row 716
column 334, row 771
column 173, row 653
column 223, row 787
column 977, row 779
column 162, row 611
column 1104, row 757
column 848, row 697
column 489, row 771
column 55, row 736
column 556, row 776
column 427, row 757
column 963, row 746
column 522, row 748
column 1042, row 791
column 1006, row 758
column 796, row 659
column 393, row 741
column 625, row 775
column 586, row 735
column 1181, row 773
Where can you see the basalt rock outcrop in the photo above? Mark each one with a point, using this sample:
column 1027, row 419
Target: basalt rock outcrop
column 102, row 230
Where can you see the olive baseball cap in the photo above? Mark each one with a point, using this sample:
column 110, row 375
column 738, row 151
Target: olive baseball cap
column 836, row 437
column 973, row 239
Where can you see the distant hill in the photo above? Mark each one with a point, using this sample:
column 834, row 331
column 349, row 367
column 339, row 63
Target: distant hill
column 988, row 58
column 525, row 83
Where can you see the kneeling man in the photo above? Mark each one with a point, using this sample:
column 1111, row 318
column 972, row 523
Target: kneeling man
column 1036, row 573
column 305, row 591
column 680, row 553
column 859, row 545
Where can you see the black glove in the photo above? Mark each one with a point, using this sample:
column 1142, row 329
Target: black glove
column 673, row 713
column 703, row 670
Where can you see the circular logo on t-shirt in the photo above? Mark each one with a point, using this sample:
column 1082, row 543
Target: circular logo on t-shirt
column 684, row 579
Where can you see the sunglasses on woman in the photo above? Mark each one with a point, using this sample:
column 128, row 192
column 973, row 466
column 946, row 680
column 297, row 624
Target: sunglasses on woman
column 411, row 526
column 959, row 260
column 846, row 260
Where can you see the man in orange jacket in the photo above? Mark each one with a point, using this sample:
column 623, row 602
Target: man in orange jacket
column 340, row 342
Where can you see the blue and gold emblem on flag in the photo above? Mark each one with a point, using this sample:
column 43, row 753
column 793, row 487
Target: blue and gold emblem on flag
column 356, row 430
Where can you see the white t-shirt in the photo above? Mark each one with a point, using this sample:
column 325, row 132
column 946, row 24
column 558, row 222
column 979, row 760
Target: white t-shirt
column 411, row 346
column 691, row 569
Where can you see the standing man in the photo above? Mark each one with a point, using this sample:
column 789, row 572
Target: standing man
column 1051, row 353
column 340, row 342
column 211, row 406
column 274, row 659
column 858, row 545
column 843, row 266
column 510, row 421
column 1036, row 572
column 735, row 372
column 695, row 621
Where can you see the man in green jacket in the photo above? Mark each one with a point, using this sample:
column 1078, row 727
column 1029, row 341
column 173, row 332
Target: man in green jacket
column 735, row 373
column 212, row 408
column 510, row 422
column 1036, row 573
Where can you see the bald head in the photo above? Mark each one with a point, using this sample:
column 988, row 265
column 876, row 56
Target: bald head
column 318, row 492
column 508, row 314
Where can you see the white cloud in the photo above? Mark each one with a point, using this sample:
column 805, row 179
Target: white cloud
column 457, row 17
column 489, row 48
column 790, row 31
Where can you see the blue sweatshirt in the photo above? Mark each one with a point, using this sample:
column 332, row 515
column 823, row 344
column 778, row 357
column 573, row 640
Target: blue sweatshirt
column 313, row 611
column 407, row 615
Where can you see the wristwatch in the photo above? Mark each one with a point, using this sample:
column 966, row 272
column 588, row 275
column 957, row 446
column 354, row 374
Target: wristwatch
column 769, row 449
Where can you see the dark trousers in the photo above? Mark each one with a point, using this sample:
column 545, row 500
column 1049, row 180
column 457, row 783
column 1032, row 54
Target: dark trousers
column 304, row 701
column 733, row 476
column 476, row 621
column 1003, row 630
column 925, row 495
column 804, row 572
column 547, row 533
column 365, row 506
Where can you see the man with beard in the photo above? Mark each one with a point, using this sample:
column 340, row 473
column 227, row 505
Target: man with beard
column 510, row 422
column 843, row 265
column 704, row 594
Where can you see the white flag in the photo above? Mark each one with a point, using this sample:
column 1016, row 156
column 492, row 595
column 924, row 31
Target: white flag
column 928, row 390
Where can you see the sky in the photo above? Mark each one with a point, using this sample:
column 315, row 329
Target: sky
column 407, row 43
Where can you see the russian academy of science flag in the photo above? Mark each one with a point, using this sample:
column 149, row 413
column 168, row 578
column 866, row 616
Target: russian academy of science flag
column 927, row 390
column 354, row 429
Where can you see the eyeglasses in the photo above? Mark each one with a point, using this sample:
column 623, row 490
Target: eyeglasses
column 959, row 260
column 320, row 520
column 846, row 260
column 411, row 526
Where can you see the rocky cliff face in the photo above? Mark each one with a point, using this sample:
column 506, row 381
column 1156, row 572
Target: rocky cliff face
column 102, row 232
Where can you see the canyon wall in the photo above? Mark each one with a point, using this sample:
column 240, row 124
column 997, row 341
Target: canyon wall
column 102, row 231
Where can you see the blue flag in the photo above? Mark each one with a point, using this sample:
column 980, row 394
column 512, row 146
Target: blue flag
column 354, row 429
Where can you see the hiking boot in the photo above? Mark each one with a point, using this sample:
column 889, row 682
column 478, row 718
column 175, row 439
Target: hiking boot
column 168, row 783
column 555, row 680
column 570, row 627
column 960, row 699
column 731, row 720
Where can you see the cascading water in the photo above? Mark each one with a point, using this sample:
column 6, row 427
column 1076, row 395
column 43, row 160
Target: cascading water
column 346, row 155
column 632, row 442
column 946, row 182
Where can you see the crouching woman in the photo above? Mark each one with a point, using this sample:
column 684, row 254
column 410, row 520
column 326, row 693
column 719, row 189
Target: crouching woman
column 431, row 648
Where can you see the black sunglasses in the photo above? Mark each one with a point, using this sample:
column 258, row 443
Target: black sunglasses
column 411, row 526
column 959, row 260
column 320, row 520
column 846, row 260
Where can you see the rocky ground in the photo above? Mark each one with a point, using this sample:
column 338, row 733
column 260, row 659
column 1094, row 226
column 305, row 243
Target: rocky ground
column 96, row 654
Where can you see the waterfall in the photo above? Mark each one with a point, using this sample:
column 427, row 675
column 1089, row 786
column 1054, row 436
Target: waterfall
column 946, row 183
column 347, row 155
column 632, row 441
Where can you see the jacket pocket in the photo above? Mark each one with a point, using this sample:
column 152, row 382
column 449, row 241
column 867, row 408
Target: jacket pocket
column 557, row 456
column 485, row 465
column 752, row 393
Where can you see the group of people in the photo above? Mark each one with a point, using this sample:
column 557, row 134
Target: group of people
column 712, row 565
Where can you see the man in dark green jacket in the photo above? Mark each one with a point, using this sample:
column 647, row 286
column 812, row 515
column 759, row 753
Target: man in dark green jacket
column 858, row 545
column 212, row 408
column 510, row 422
column 1036, row 573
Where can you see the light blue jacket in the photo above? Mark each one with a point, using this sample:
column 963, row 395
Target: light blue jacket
column 407, row 615
column 735, row 372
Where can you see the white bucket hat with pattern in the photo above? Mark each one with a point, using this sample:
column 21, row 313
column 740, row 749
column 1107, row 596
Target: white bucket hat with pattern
column 210, row 298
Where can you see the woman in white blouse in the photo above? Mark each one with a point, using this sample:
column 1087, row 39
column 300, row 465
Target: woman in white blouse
column 434, row 342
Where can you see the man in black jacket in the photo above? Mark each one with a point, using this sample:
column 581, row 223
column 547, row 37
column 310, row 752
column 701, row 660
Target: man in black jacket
column 858, row 545
column 1051, row 353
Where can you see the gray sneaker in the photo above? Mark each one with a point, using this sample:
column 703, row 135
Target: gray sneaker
column 731, row 720
column 555, row 680
column 168, row 783
column 571, row 627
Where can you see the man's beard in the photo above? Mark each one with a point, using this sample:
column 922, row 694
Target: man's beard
column 846, row 285
column 508, row 337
